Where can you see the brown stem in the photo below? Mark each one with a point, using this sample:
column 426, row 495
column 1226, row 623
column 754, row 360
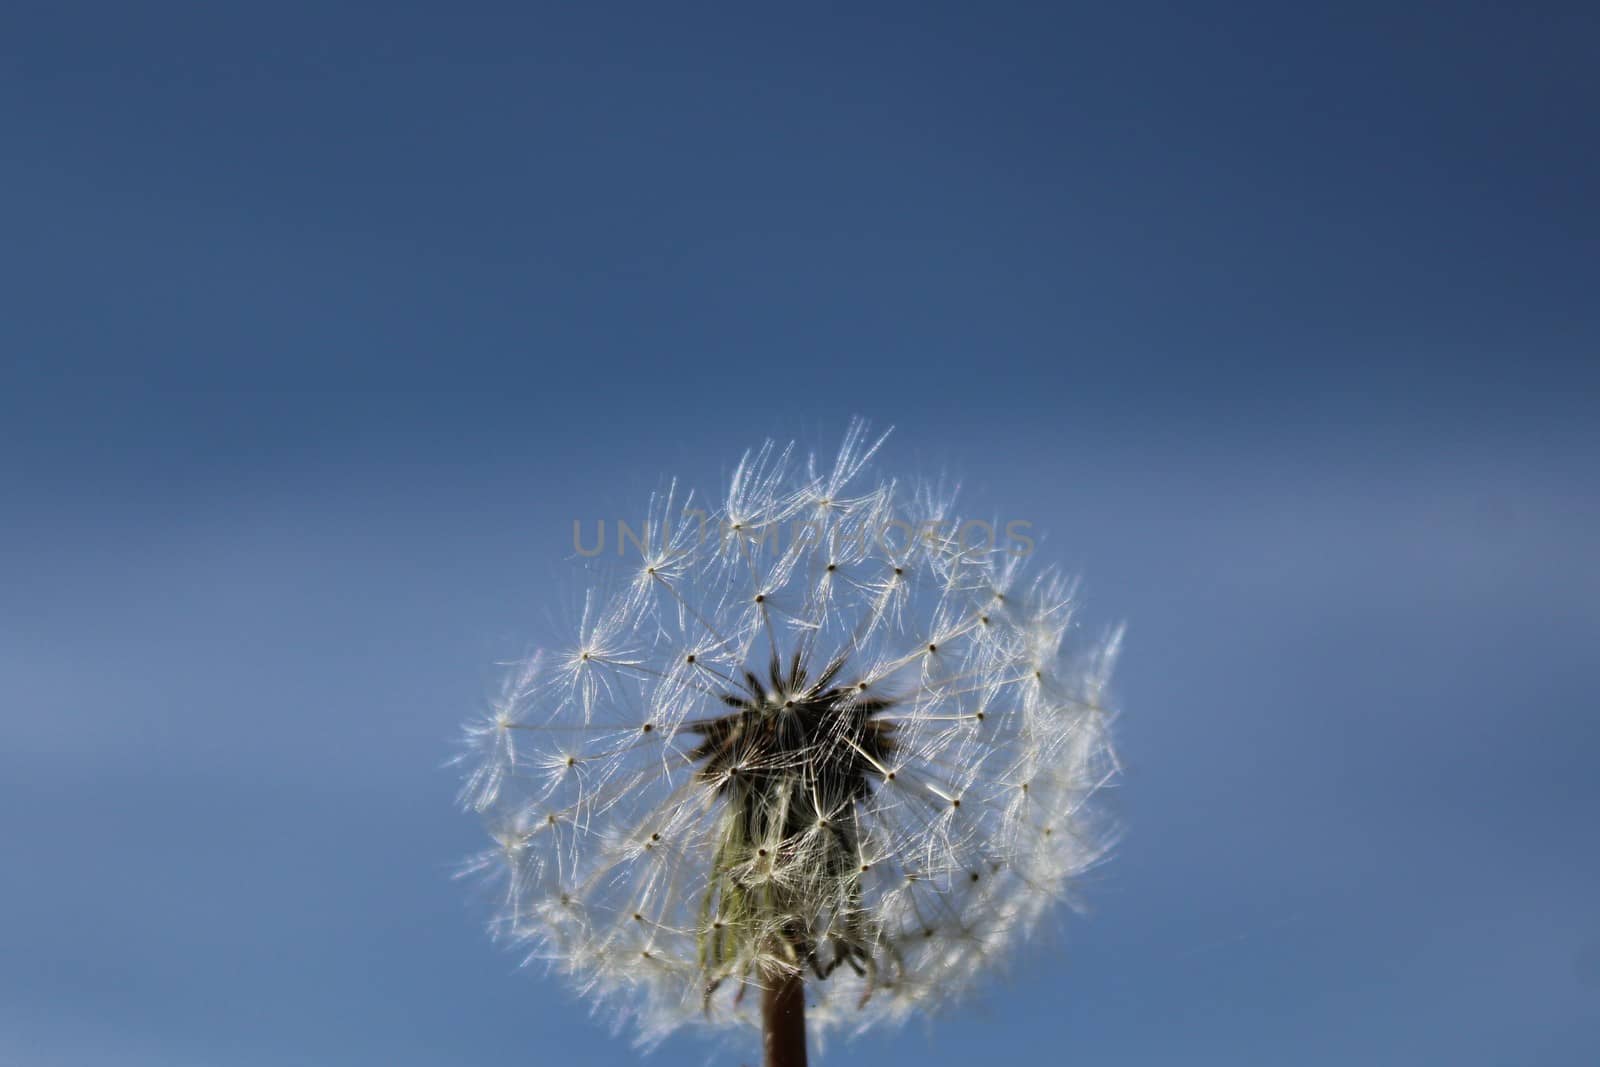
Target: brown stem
column 783, row 1021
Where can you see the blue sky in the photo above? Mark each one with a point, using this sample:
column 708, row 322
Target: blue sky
column 321, row 326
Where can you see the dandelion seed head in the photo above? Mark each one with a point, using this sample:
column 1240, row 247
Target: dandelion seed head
column 808, row 730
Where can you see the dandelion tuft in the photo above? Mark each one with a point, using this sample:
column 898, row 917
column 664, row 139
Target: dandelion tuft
column 822, row 746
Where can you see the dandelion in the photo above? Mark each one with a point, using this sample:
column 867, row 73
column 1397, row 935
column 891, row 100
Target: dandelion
column 817, row 759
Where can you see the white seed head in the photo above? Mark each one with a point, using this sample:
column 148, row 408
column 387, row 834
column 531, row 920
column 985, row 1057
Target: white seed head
column 809, row 730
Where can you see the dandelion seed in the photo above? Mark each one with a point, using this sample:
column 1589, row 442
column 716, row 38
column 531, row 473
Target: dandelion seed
column 830, row 778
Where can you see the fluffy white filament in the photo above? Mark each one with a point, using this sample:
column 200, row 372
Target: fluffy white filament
column 666, row 888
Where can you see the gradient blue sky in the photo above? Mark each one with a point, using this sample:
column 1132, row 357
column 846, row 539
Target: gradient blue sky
column 322, row 322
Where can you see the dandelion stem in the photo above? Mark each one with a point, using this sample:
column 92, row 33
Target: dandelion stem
column 783, row 1021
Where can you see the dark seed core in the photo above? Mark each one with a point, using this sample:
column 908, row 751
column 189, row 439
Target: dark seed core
column 792, row 734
